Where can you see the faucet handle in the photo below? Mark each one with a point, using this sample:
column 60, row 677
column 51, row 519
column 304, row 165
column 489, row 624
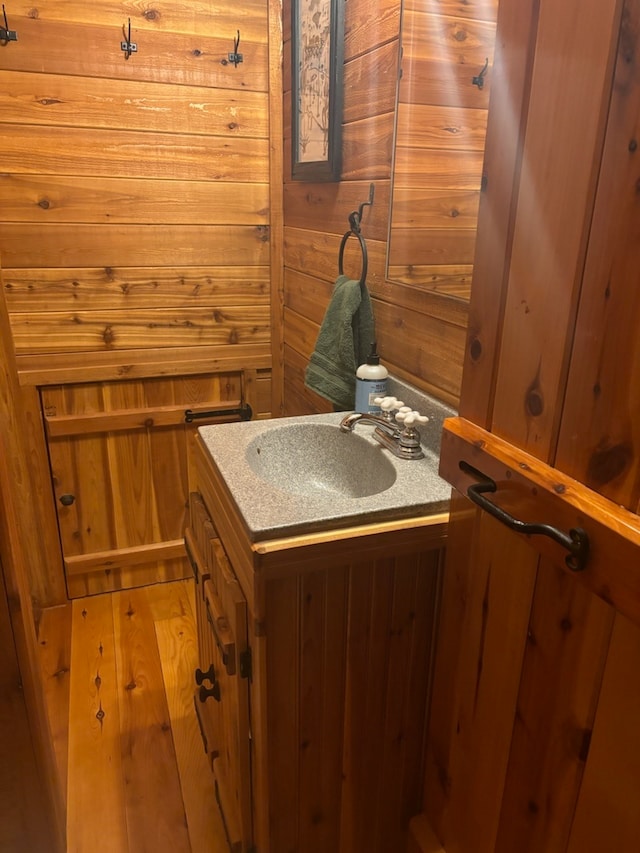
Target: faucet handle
column 388, row 403
column 411, row 417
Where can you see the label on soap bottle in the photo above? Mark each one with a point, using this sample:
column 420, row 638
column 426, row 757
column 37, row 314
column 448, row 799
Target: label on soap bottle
column 366, row 392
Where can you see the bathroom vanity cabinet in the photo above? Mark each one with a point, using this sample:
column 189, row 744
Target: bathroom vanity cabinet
column 314, row 672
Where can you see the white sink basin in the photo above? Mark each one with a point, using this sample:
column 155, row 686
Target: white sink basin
column 318, row 459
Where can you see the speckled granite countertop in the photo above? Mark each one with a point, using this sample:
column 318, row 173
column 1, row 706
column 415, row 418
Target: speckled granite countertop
column 294, row 506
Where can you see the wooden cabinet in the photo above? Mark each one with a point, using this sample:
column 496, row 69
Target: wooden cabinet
column 322, row 739
column 118, row 456
column 221, row 696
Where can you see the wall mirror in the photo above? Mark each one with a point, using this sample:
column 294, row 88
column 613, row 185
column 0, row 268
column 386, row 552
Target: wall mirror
column 441, row 117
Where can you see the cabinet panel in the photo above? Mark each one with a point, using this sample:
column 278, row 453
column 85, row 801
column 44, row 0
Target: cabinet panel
column 222, row 679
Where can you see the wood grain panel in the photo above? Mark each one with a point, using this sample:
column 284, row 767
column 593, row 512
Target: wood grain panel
column 600, row 435
column 153, row 801
column 367, row 149
column 487, row 606
column 88, row 330
column 94, row 734
column 306, row 206
column 307, row 295
column 137, row 364
column 364, row 99
column 316, row 253
column 170, row 57
column 364, row 31
column 49, row 199
column 480, row 10
column 567, row 642
column 435, row 126
column 107, row 153
column 424, row 209
column 129, row 288
column 31, row 245
column 54, row 640
column 422, row 346
column 546, row 263
column 50, row 99
column 182, row 16
column 606, row 815
column 438, row 169
column 450, row 280
column 322, row 608
column 441, row 55
column 436, row 246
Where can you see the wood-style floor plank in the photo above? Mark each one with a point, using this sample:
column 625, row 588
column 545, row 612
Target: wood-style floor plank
column 177, row 644
column 54, row 638
column 119, row 683
column 95, row 809
column 153, row 799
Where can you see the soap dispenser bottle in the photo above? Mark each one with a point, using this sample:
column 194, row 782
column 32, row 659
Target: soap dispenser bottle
column 371, row 382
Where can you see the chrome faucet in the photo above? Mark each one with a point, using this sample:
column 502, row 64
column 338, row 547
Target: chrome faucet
column 401, row 438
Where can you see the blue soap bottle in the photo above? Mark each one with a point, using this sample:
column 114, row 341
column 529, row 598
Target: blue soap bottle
column 371, row 382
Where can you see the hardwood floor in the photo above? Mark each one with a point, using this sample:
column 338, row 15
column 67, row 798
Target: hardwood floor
column 119, row 673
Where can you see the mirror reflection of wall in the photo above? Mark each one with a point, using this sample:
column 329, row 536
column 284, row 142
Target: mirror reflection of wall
column 441, row 125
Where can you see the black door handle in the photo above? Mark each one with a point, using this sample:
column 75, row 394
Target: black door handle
column 576, row 541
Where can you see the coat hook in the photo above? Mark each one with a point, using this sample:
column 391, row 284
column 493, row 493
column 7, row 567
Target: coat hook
column 7, row 35
column 127, row 45
column 478, row 80
column 355, row 218
column 236, row 57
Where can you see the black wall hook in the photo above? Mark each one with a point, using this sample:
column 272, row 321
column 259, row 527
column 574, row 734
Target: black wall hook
column 478, row 80
column 7, row 35
column 355, row 218
column 236, row 57
column 127, row 45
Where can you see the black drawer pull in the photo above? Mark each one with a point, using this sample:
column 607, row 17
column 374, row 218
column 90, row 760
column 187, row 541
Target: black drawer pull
column 244, row 412
column 206, row 692
column 576, row 541
column 209, row 675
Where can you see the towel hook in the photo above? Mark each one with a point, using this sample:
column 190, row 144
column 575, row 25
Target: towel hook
column 355, row 221
column 7, row 35
column 236, row 57
column 355, row 218
column 127, row 45
column 478, row 80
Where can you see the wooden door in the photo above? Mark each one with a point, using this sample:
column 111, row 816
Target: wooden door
column 118, row 455
column 534, row 742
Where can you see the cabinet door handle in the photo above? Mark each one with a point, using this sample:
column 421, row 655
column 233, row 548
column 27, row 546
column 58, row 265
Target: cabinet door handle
column 206, row 692
column 67, row 500
column 576, row 541
column 209, row 675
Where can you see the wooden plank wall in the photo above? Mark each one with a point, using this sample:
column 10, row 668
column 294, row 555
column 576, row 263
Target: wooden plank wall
column 441, row 127
column 135, row 192
column 420, row 335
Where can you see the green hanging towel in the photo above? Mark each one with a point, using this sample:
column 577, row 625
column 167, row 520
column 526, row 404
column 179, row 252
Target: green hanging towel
column 344, row 342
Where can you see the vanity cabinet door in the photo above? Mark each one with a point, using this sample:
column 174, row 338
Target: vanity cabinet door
column 222, row 679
